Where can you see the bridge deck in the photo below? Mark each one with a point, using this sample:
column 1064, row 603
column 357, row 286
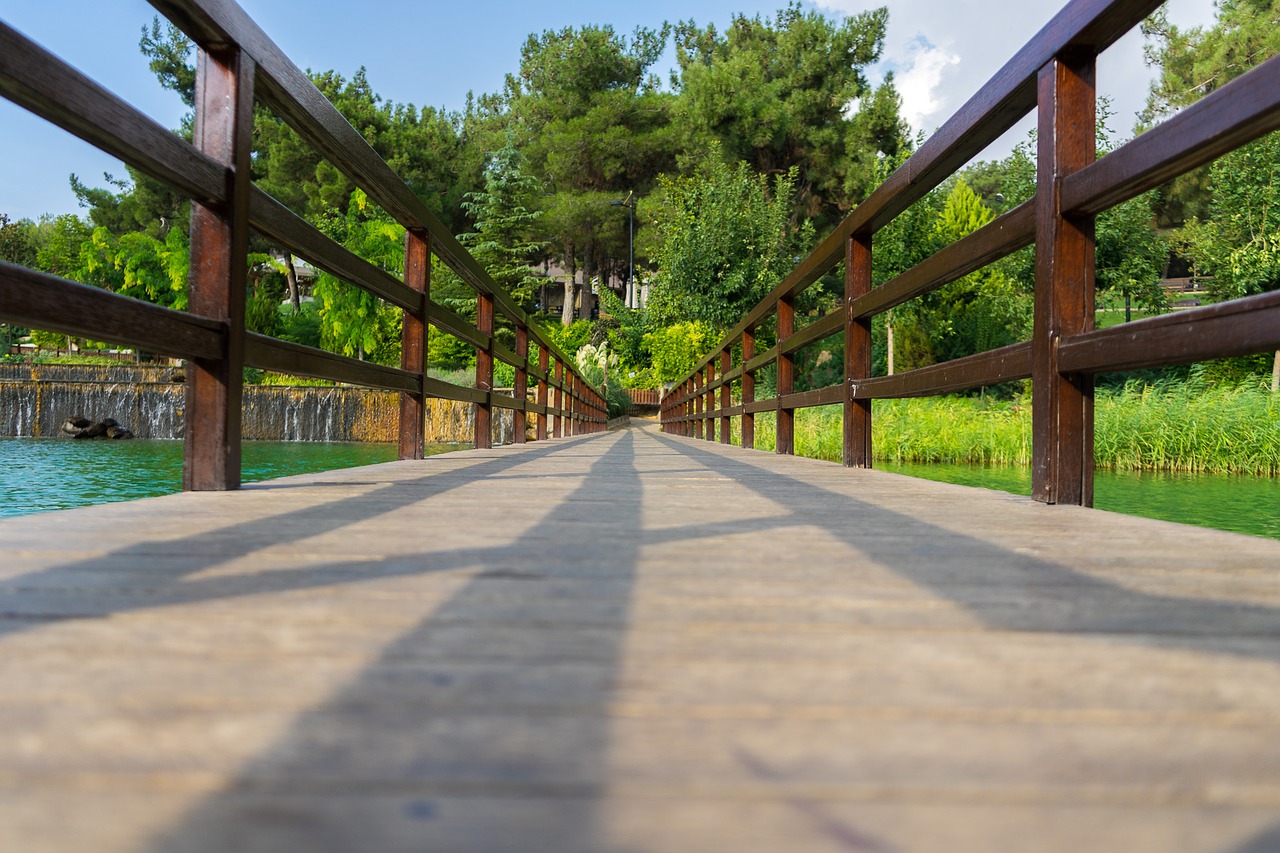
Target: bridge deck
column 633, row 642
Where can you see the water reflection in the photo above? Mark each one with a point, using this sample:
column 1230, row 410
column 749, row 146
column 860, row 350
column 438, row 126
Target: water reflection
column 37, row 475
column 1226, row 502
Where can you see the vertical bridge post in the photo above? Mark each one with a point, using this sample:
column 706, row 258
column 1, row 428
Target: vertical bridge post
column 219, row 267
column 413, row 343
column 484, row 372
column 786, row 428
column 521, row 390
column 1062, row 405
column 857, row 353
column 709, row 407
column 748, row 389
column 543, row 366
column 726, row 360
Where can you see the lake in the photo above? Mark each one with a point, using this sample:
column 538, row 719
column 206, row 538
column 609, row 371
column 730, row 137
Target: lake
column 37, row 475
column 1226, row 502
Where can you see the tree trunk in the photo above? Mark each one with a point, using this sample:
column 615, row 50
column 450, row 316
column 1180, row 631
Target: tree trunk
column 570, row 287
column 888, row 327
column 291, row 275
column 1275, row 373
column 588, row 278
column 570, row 293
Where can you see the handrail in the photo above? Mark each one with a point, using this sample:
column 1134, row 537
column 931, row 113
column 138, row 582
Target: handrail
column 238, row 61
column 1053, row 74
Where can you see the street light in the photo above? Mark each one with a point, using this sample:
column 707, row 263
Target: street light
column 630, row 204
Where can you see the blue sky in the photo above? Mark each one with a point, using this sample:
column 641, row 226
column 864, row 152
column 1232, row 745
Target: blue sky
column 433, row 53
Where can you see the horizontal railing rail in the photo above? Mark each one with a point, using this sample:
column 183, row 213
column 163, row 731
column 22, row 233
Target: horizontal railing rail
column 1054, row 75
column 238, row 64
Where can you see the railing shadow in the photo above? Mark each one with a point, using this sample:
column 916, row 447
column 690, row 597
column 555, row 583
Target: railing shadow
column 84, row 589
column 1050, row 597
column 472, row 706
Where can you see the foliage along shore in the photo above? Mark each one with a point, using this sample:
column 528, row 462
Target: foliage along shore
column 1189, row 428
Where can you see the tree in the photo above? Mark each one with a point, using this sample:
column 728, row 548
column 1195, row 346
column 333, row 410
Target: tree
column 727, row 239
column 791, row 93
column 593, row 126
column 505, row 217
column 984, row 310
column 1230, row 210
column 1192, row 63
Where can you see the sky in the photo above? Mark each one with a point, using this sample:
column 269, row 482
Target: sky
column 433, row 53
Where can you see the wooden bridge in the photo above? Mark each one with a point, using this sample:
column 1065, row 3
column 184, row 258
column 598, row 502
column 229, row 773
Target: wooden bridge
column 635, row 640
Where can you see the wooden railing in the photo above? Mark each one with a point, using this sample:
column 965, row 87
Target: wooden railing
column 1054, row 74
column 238, row 63
column 645, row 397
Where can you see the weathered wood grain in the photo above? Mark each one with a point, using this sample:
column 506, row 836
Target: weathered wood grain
column 665, row 644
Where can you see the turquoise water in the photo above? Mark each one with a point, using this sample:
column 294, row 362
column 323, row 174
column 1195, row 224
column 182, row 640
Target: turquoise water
column 37, row 475
column 1242, row 504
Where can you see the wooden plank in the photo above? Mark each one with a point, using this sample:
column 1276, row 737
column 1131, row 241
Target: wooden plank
column 484, row 371
column 998, row 106
column 223, row 130
column 1006, row 234
column 445, row 320
column 41, row 301
column 1062, row 404
column 43, row 84
column 521, row 390
column 293, row 233
column 1241, row 111
column 543, row 396
column 1238, row 327
column 962, row 374
column 829, row 396
column 298, row 360
column 748, row 389
column 892, row 664
column 290, row 93
column 856, row 450
column 759, row 361
column 726, row 360
column 413, row 344
column 503, row 401
column 449, row 391
column 785, row 428
column 824, row 327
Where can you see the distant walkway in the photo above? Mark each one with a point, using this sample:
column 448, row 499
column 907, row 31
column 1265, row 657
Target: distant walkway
column 632, row 642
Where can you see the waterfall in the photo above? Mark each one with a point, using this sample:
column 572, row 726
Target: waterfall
column 35, row 400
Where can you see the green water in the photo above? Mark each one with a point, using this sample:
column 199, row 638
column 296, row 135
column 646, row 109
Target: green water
column 37, row 475
column 1242, row 504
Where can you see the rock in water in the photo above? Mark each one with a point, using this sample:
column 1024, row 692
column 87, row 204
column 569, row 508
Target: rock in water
column 118, row 432
column 73, row 426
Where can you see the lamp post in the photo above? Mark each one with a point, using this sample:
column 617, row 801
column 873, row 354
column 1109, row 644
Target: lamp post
column 630, row 204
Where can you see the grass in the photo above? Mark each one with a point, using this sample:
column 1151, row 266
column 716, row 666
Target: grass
column 1188, row 428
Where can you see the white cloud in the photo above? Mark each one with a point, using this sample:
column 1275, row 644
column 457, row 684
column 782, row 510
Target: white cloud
column 943, row 51
column 919, row 78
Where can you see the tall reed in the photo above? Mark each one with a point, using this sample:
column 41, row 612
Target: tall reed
column 1186, row 427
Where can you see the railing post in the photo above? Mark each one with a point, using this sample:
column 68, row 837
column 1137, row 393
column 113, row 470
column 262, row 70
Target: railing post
column 543, row 366
column 521, row 390
column 726, row 360
column 558, row 423
column 484, row 372
column 748, row 390
column 710, row 406
column 786, row 427
column 219, row 271
column 1062, row 405
column 857, row 353
column 413, row 343
column 697, row 405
